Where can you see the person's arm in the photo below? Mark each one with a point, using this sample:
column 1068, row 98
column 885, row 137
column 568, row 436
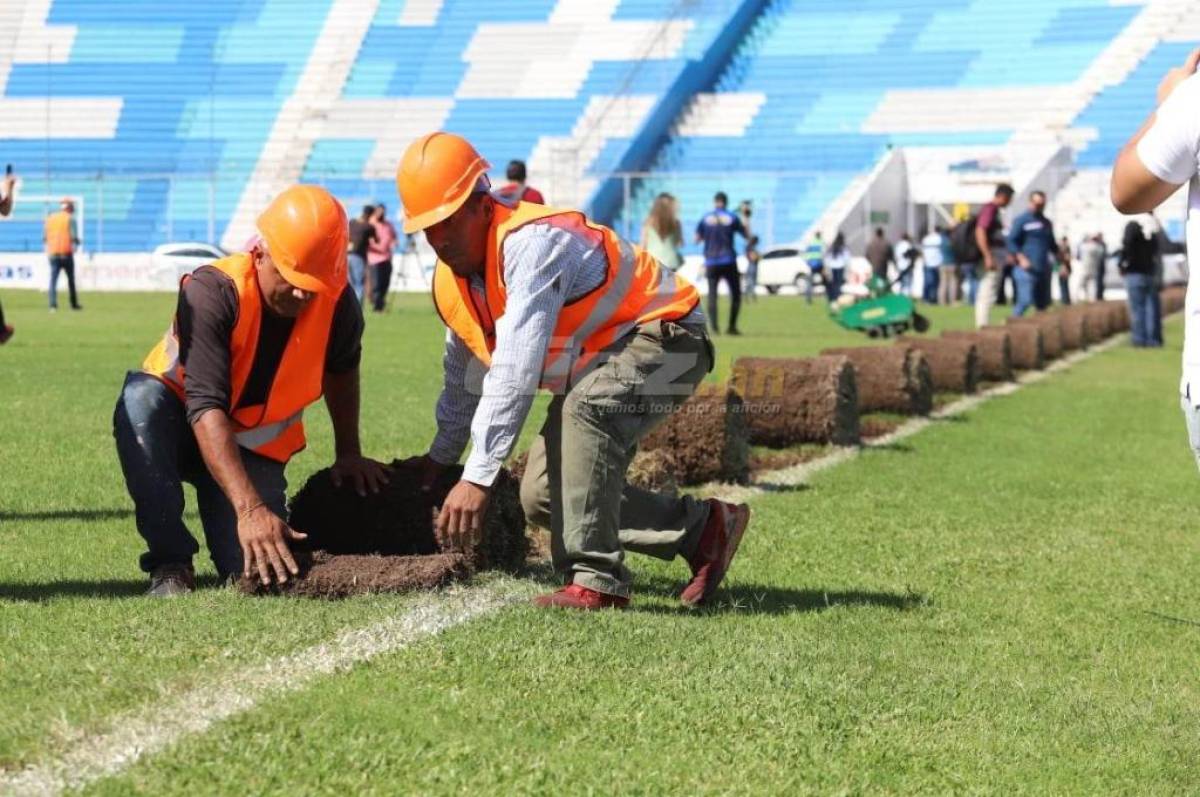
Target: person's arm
column 456, row 404
column 700, row 231
column 535, row 260
column 74, row 232
column 1161, row 155
column 262, row 534
column 205, row 317
column 1015, row 242
column 981, row 236
column 6, row 201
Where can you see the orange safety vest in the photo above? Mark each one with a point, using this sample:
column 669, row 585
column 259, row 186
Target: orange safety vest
column 58, row 234
column 636, row 290
column 274, row 429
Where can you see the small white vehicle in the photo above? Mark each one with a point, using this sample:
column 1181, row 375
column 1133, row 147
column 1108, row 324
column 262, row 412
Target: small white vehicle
column 783, row 266
column 170, row 262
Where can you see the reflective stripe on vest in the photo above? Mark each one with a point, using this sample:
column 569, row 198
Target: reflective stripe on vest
column 260, row 436
column 273, row 429
column 636, row 290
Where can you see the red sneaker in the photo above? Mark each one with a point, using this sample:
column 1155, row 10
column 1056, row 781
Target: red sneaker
column 719, row 542
column 5, row 334
column 577, row 597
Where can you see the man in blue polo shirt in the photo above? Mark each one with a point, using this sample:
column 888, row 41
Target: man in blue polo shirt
column 716, row 231
column 1032, row 240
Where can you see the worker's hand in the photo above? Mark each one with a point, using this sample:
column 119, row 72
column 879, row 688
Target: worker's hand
column 264, row 536
column 989, row 263
column 1178, row 75
column 365, row 474
column 459, row 523
column 430, row 469
column 1023, row 262
column 10, row 180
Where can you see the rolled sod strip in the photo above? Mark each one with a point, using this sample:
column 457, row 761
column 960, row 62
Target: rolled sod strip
column 1027, row 344
column 1118, row 316
column 1051, row 326
column 800, row 400
column 1099, row 321
column 1075, row 334
column 384, row 542
column 707, row 438
column 1173, row 299
column 994, row 347
column 954, row 362
column 890, row 379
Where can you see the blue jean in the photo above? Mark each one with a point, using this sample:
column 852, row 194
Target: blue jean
column 929, row 290
column 970, row 278
column 1031, row 288
column 62, row 264
column 158, row 452
column 358, row 271
column 1024, row 283
column 1145, row 311
column 833, row 291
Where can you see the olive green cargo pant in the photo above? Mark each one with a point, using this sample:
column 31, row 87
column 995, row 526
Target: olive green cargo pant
column 574, row 482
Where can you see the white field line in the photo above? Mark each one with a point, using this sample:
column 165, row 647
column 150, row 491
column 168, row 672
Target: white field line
column 151, row 729
column 795, row 475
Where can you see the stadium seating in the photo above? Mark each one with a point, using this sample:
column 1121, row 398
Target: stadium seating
column 822, row 88
column 176, row 122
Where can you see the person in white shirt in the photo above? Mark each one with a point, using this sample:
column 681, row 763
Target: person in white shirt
column 1163, row 155
column 931, row 253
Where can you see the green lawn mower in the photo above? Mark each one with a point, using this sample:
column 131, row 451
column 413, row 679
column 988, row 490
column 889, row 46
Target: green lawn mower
column 882, row 313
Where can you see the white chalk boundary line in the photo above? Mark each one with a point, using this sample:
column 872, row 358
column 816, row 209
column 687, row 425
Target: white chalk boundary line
column 152, row 729
column 795, row 475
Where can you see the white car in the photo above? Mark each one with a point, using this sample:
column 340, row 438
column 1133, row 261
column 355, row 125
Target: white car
column 170, row 262
column 783, row 266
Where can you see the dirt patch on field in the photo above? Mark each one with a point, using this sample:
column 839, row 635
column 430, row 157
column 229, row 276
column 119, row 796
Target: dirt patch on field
column 385, row 542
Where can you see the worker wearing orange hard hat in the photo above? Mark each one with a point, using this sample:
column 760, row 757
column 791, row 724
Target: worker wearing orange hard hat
column 257, row 337
column 540, row 296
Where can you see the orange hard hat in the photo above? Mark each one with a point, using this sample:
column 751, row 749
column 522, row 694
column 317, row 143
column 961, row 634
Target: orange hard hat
column 436, row 175
column 305, row 231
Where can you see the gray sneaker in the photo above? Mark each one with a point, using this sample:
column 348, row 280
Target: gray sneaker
column 171, row 580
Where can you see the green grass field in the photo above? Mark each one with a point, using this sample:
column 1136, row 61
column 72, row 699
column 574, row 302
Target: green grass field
column 1003, row 603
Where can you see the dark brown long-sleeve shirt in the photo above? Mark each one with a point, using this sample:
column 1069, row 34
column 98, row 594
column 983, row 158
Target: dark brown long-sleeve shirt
column 205, row 316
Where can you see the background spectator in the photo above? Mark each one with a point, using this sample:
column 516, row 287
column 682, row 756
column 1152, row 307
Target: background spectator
column 1089, row 268
column 61, row 236
column 932, row 254
column 880, row 254
column 6, row 203
column 1031, row 241
column 1138, row 266
column 1065, row 268
column 515, row 189
column 907, row 255
column 717, row 230
column 750, row 279
column 836, row 260
column 362, row 232
column 379, row 257
column 814, row 256
column 662, row 234
column 989, row 238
